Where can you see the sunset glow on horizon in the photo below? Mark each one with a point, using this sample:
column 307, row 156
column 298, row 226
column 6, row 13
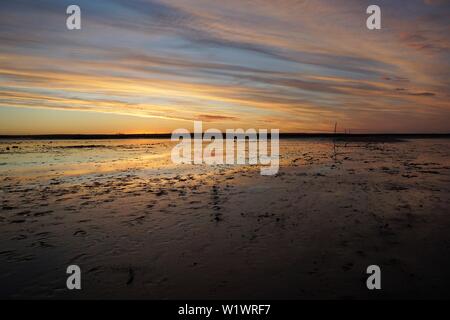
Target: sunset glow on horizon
column 148, row 66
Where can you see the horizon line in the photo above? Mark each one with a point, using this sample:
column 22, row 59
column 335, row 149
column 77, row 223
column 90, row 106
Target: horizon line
column 118, row 136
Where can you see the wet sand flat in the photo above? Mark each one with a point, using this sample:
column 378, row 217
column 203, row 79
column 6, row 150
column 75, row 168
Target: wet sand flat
column 142, row 227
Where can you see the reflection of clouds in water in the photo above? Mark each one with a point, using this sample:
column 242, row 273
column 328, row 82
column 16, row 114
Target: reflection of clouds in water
column 159, row 226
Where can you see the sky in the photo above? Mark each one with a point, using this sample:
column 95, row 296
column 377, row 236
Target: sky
column 153, row 66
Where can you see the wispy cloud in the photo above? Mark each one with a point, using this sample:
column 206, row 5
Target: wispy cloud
column 298, row 65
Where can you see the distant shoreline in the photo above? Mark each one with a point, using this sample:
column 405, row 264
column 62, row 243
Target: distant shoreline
column 340, row 136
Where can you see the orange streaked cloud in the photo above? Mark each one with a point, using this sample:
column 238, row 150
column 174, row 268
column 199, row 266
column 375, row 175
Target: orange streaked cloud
column 293, row 65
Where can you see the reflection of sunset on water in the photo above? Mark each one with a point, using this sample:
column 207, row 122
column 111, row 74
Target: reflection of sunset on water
column 118, row 205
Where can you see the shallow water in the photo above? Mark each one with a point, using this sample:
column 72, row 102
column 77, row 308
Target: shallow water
column 141, row 227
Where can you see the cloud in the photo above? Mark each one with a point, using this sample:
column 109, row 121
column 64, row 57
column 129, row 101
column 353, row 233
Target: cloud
column 422, row 94
column 213, row 118
column 437, row 2
column 299, row 65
